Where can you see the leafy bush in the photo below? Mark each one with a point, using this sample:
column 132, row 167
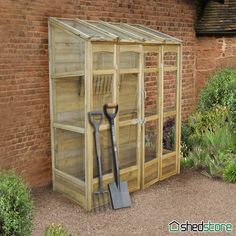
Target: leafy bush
column 232, row 108
column 186, row 162
column 55, row 230
column 214, row 151
column 186, row 141
column 229, row 173
column 219, row 90
column 199, row 123
column 211, row 131
column 209, row 120
column 15, row 206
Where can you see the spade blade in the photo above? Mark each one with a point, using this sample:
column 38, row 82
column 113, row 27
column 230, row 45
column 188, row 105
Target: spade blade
column 120, row 198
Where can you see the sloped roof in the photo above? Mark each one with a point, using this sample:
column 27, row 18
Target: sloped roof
column 217, row 18
column 104, row 31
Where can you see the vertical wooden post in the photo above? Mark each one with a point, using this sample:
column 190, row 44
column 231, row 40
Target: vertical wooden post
column 160, row 109
column 141, row 116
column 88, row 130
column 51, row 89
column 178, row 107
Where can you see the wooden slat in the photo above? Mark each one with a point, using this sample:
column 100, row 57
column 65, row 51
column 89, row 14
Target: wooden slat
column 142, row 143
column 170, row 68
column 151, row 172
column 128, row 122
column 171, row 48
column 129, row 71
column 51, row 88
column 71, row 189
column 169, row 113
column 129, row 174
column 168, row 155
column 160, row 108
column 88, row 128
column 69, row 128
column 168, row 160
column 99, row 47
column 78, row 182
column 139, row 152
column 103, row 72
column 151, row 118
column 165, row 176
column 151, row 70
column 148, row 49
column 68, row 74
column 130, row 48
column 178, row 105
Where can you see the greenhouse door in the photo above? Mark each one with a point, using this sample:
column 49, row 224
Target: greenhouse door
column 129, row 100
column 151, row 113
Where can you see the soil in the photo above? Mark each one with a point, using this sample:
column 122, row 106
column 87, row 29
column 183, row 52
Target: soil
column 188, row 196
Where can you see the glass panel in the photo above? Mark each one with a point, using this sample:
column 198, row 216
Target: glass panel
column 128, row 100
column 102, row 60
column 121, row 35
column 170, row 86
column 151, row 135
column 69, row 53
column 135, row 32
column 151, row 96
column 151, row 60
column 102, row 92
column 170, row 59
column 70, row 153
column 127, row 146
column 157, row 33
column 129, row 60
column 169, row 130
column 69, row 101
column 106, row 154
column 85, row 29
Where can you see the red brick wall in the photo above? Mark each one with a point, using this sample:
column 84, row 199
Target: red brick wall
column 24, row 90
column 213, row 53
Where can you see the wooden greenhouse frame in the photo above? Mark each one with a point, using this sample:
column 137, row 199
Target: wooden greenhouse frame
column 93, row 63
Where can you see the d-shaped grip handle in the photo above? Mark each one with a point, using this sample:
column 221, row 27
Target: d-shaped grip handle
column 95, row 118
column 109, row 106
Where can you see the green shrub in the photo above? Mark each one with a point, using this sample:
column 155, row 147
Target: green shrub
column 199, row 123
column 232, row 108
column 209, row 120
column 15, row 206
column 55, row 230
column 186, row 141
column 214, row 151
column 186, row 162
column 219, row 90
column 209, row 137
column 229, row 173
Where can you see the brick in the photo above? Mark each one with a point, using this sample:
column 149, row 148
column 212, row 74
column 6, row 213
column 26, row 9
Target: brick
column 24, row 89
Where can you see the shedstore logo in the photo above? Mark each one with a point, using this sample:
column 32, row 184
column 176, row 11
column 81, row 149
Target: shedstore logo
column 202, row 227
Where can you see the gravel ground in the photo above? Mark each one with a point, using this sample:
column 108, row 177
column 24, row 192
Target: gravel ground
column 188, row 196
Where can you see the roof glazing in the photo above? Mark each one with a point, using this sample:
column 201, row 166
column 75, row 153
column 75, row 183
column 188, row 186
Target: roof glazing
column 104, row 31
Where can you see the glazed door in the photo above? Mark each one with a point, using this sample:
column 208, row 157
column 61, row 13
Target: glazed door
column 129, row 100
column 151, row 113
